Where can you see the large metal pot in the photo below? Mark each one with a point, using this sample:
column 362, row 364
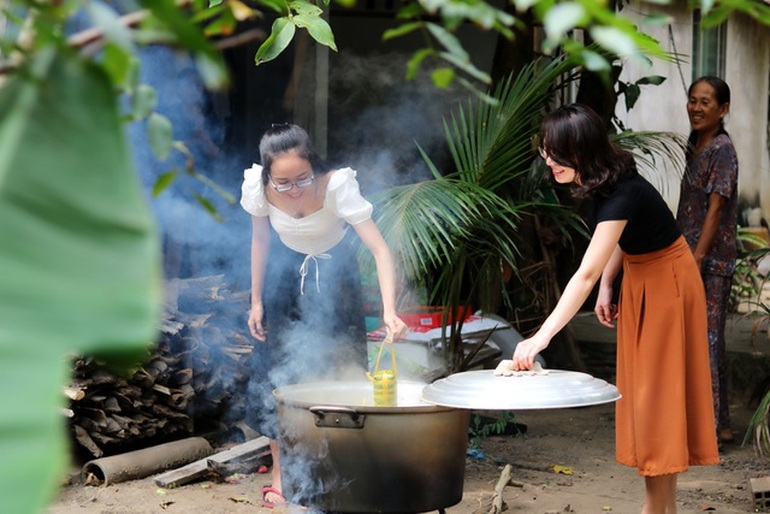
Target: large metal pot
column 341, row 453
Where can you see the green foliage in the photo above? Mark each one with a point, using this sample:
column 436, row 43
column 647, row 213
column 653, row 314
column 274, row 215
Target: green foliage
column 280, row 36
column 159, row 132
column 758, row 431
column 647, row 146
column 715, row 13
column 612, row 31
column 176, row 26
column 746, row 292
column 632, row 90
column 463, row 229
column 80, row 259
column 748, row 281
column 296, row 14
column 482, row 427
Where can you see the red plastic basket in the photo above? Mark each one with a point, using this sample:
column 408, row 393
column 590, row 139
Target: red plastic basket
column 426, row 317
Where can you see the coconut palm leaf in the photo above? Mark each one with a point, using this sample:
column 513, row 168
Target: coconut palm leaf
column 656, row 152
column 492, row 144
column 426, row 222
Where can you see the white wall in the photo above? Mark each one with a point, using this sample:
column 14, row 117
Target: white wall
column 748, row 73
column 661, row 107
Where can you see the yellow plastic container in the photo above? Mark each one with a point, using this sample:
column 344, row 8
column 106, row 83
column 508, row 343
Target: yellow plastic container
column 385, row 380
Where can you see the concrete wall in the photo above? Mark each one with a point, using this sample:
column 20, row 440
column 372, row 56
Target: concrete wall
column 748, row 74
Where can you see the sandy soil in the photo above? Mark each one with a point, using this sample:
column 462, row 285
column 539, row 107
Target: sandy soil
column 580, row 440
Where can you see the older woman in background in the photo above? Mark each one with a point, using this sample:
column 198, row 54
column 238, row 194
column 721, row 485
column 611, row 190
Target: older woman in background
column 708, row 218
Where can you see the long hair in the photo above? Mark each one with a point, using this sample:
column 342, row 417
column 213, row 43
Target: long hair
column 575, row 136
column 722, row 95
column 286, row 138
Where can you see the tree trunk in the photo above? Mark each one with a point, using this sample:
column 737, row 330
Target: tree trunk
column 512, row 55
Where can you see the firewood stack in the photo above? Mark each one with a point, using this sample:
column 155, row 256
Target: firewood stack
column 193, row 381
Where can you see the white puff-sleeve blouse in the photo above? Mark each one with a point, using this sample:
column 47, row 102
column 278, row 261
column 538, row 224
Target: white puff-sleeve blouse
column 320, row 231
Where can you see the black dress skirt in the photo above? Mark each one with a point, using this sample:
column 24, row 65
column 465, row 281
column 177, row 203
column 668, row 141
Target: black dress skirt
column 315, row 331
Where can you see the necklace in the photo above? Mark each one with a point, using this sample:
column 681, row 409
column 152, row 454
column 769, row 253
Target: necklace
column 293, row 206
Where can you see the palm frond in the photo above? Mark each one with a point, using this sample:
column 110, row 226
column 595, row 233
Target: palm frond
column 758, row 431
column 426, row 222
column 492, row 144
column 656, row 152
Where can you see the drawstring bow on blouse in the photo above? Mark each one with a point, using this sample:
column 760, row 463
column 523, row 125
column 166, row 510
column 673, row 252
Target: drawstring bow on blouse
column 304, row 269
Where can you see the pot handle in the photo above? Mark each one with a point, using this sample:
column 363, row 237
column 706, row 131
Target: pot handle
column 337, row 417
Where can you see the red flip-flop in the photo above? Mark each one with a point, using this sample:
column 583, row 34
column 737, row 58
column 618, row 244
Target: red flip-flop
column 270, row 489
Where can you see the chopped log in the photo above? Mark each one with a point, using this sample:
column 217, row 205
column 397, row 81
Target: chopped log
column 183, row 376
column 171, row 327
column 187, row 390
column 111, row 405
column 196, row 372
column 74, row 393
column 200, row 468
column 103, row 438
column 85, row 440
column 162, row 389
column 220, row 471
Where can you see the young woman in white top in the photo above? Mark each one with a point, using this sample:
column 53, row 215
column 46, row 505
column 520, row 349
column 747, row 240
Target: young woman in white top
column 306, row 301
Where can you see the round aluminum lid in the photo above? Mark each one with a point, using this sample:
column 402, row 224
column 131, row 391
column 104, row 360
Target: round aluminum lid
column 557, row 389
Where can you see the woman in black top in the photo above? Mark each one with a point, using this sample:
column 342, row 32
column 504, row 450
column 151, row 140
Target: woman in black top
column 665, row 419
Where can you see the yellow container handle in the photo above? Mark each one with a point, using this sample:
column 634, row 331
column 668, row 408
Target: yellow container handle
column 387, row 341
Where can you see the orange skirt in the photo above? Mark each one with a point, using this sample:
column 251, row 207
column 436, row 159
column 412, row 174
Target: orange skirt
column 665, row 418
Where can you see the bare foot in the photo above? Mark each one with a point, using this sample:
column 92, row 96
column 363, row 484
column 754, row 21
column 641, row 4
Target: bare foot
column 272, row 497
column 726, row 435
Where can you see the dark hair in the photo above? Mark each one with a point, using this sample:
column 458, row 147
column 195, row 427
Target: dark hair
column 575, row 136
column 722, row 94
column 721, row 89
column 283, row 138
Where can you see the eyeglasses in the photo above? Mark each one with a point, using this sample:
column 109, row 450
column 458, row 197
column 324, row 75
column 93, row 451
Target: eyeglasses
column 545, row 155
column 300, row 184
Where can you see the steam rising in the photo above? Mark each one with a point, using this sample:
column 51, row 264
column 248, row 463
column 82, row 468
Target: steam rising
column 380, row 118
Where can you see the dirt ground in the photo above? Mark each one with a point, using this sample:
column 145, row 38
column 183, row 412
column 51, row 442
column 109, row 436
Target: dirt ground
column 580, row 441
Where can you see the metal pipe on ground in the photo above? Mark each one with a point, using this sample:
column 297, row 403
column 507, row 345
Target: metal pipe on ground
column 143, row 463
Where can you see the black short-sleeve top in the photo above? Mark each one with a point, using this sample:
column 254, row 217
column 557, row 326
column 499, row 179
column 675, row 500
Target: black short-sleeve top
column 651, row 225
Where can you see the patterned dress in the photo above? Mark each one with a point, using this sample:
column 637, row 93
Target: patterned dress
column 714, row 170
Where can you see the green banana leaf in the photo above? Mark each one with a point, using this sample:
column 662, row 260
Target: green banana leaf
column 79, row 260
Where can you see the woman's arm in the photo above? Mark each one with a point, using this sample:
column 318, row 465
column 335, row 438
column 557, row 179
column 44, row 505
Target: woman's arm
column 386, row 273
column 260, row 248
column 605, row 310
column 603, row 243
column 708, row 232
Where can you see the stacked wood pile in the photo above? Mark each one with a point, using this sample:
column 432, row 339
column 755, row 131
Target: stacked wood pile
column 193, row 380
